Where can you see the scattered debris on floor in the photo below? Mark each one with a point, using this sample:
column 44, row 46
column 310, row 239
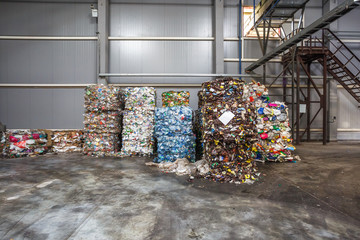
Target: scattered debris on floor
column 182, row 166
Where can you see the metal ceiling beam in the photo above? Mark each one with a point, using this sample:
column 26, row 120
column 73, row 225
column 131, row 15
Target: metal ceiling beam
column 329, row 17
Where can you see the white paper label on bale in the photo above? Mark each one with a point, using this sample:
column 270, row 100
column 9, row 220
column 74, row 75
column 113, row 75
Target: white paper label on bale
column 226, row 117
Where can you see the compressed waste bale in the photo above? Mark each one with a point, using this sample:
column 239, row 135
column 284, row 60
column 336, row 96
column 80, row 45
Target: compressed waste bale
column 174, row 134
column 229, row 131
column 102, row 98
column 67, row 141
column 172, row 98
column 274, row 131
column 138, row 121
column 102, row 120
column 140, row 97
column 106, row 121
column 100, row 144
column 22, row 143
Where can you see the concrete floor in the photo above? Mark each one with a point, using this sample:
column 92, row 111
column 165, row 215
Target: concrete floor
column 72, row 196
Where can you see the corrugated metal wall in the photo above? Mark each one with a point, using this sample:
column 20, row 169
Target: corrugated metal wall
column 75, row 61
column 34, row 61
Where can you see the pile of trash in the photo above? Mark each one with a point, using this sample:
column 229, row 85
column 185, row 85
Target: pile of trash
column 172, row 98
column 138, row 121
column 102, row 120
column 182, row 166
column 174, row 134
column 22, row 143
column 274, row 132
column 229, row 125
column 67, row 141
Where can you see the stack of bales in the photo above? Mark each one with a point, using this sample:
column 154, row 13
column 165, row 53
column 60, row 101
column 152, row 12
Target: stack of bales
column 138, row 121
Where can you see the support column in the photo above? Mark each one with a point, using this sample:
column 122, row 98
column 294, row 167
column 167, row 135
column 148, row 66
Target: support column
column 103, row 34
column 297, row 100
column 333, row 91
column 218, row 30
column 308, row 104
column 324, row 100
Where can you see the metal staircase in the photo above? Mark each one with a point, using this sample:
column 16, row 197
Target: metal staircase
column 342, row 64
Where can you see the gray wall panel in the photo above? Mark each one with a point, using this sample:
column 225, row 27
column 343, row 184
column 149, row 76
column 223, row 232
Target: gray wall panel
column 231, row 24
column 161, row 57
column 348, row 111
column 18, row 114
column 42, row 108
column 231, row 68
column 47, row 61
column 231, row 49
column 4, row 105
column 50, row 19
column 160, row 20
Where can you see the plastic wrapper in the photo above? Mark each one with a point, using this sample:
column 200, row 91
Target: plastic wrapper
column 172, row 98
column 22, row 143
column 174, row 134
column 274, row 132
column 229, row 131
column 138, row 121
column 104, row 121
column 101, row 97
column 67, row 141
column 100, row 144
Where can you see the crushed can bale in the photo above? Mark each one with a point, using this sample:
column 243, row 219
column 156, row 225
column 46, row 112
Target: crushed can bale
column 172, row 98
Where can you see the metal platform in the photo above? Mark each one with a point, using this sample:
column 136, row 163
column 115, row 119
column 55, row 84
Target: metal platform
column 328, row 18
column 278, row 10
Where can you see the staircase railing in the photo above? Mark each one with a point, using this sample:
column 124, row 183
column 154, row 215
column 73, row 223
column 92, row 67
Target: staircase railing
column 343, row 53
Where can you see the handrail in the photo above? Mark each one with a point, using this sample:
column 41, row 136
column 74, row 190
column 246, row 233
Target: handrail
column 333, row 35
